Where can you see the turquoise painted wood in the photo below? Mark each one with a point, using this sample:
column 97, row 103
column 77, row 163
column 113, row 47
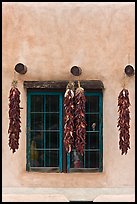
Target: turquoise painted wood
column 28, row 134
column 68, row 162
column 101, row 132
column 61, row 130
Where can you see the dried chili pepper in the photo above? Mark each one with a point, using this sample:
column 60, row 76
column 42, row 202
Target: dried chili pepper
column 123, row 121
column 69, row 117
column 80, row 123
column 14, row 117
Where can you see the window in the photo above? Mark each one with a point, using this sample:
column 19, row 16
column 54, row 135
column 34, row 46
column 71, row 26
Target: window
column 92, row 159
column 45, row 151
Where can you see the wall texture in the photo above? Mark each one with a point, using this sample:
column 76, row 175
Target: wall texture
column 49, row 38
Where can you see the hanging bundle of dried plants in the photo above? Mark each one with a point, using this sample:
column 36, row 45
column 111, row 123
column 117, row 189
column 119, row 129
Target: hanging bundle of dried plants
column 123, row 120
column 69, row 117
column 14, row 117
column 80, row 123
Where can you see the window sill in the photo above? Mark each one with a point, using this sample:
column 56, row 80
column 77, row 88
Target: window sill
column 72, row 170
column 85, row 170
column 43, row 169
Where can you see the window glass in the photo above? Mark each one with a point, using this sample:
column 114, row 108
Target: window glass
column 52, row 103
column 52, row 121
column 38, row 139
column 44, row 135
column 92, row 104
column 52, row 139
column 76, row 160
column 52, row 158
column 37, row 121
column 36, row 156
column 37, row 103
column 92, row 140
column 92, row 159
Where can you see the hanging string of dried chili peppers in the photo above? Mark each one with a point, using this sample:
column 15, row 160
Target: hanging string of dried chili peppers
column 123, row 120
column 80, row 123
column 14, row 117
column 69, row 117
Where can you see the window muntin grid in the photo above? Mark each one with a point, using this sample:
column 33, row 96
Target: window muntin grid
column 44, row 130
column 48, row 135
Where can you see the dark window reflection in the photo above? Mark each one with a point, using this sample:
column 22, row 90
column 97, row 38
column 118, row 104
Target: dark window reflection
column 52, row 140
column 52, row 103
column 44, row 134
column 92, row 104
column 92, row 159
column 37, row 121
column 92, row 140
column 38, row 138
column 52, row 121
column 52, row 158
column 37, row 103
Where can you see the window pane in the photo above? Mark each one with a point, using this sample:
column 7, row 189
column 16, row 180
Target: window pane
column 36, row 157
column 52, row 140
column 52, row 121
column 37, row 121
column 52, row 158
column 92, row 122
column 92, row 159
column 44, row 130
column 76, row 160
column 52, row 103
column 92, row 140
column 37, row 103
column 92, row 104
column 38, row 139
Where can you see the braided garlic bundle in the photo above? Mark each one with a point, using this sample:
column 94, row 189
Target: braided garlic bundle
column 80, row 123
column 14, row 116
column 123, row 120
column 69, row 117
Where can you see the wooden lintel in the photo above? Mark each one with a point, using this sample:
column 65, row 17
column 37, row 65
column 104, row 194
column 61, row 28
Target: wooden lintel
column 86, row 84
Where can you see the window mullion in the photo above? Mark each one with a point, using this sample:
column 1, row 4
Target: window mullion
column 44, row 130
column 60, row 132
column 100, row 133
column 28, row 132
column 49, row 135
column 89, row 136
column 68, row 162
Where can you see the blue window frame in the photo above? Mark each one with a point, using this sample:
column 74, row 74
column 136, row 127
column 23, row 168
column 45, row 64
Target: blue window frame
column 45, row 150
column 44, row 131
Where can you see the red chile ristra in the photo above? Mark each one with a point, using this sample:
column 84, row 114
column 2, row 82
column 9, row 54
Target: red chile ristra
column 14, row 117
column 69, row 117
column 123, row 120
column 80, row 123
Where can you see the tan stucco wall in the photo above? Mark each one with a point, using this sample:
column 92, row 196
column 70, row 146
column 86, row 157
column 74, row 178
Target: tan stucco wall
column 49, row 38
